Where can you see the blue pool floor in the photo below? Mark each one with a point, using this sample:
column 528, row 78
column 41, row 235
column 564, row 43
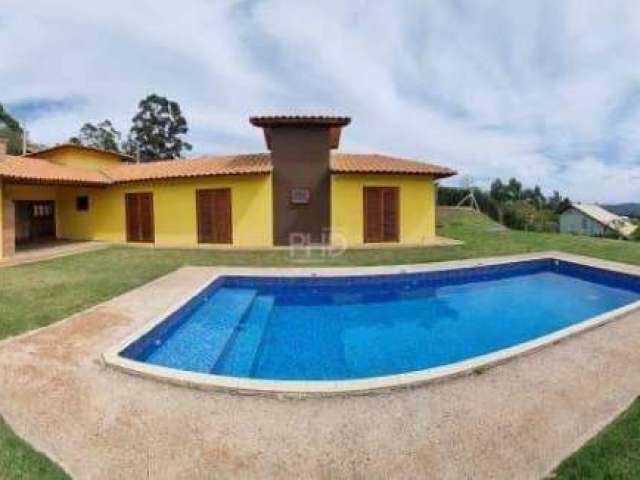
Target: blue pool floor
column 348, row 330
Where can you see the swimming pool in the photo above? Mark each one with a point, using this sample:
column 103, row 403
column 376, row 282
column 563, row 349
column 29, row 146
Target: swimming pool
column 335, row 329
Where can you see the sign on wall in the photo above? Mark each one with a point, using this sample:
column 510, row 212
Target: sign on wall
column 300, row 196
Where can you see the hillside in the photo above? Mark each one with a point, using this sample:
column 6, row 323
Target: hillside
column 624, row 209
column 484, row 238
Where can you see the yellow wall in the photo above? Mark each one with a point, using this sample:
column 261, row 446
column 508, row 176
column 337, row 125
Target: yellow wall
column 417, row 207
column 79, row 157
column 251, row 204
column 75, row 225
column 174, row 210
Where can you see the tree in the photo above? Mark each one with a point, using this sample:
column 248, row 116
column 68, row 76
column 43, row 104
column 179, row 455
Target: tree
column 498, row 191
column 8, row 120
column 11, row 130
column 509, row 192
column 535, row 196
column 514, row 189
column 157, row 129
column 103, row 136
column 557, row 203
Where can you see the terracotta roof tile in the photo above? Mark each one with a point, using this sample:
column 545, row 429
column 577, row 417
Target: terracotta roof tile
column 24, row 169
column 283, row 120
column 122, row 156
column 380, row 164
column 43, row 171
column 197, row 167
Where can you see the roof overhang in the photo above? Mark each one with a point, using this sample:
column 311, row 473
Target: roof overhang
column 8, row 180
column 333, row 124
column 27, row 170
column 268, row 121
column 72, row 146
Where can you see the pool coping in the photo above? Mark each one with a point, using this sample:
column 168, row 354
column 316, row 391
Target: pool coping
column 205, row 381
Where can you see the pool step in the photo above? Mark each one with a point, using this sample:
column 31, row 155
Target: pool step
column 239, row 359
column 197, row 345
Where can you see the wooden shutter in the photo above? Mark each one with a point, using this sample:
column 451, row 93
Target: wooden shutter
column 139, row 217
column 146, row 217
column 214, row 215
column 204, row 209
column 222, row 215
column 132, row 214
column 389, row 214
column 381, row 214
column 372, row 214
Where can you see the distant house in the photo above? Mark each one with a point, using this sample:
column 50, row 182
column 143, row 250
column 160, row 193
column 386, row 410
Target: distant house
column 593, row 220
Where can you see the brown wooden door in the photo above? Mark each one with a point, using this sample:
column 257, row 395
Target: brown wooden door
column 381, row 214
column 35, row 221
column 139, row 213
column 214, row 215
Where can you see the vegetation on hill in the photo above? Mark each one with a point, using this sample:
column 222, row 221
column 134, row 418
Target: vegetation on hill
column 631, row 210
column 511, row 204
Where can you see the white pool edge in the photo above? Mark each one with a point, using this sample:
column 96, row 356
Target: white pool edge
column 204, row 381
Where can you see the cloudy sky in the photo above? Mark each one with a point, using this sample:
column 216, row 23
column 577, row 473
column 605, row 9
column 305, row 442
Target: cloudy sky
column 548, row 92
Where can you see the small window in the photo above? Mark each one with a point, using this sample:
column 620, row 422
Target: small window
column 82, row 203
column 584, row 223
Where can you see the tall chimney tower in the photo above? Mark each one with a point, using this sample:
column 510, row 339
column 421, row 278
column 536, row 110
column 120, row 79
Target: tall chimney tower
column 300, row 153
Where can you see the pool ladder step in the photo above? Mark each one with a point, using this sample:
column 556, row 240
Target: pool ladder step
column 200, row 342
column 239, row 357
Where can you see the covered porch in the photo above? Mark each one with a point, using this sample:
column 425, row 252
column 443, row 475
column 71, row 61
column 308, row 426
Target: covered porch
column 43, row 202
column 42, row 217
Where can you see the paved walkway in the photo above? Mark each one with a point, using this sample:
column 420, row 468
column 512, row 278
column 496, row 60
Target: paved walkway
column 517, row 420
column 50, row 250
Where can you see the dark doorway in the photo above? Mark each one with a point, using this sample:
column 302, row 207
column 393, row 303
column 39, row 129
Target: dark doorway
column 214, row 215
column 139, row 213
column 35, row 221
column 381, row 214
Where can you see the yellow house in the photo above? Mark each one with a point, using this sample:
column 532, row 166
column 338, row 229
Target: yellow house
column 299, row 192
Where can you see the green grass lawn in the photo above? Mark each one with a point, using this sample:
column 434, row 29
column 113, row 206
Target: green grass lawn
column 614, row 453
column 19, row 461
column 67, row 285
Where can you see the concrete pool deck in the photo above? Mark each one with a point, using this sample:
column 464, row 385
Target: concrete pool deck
column 515, row 420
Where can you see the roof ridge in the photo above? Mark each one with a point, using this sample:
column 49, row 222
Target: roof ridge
column 35, row 154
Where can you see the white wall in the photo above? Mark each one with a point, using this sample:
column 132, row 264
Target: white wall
column 574, row 221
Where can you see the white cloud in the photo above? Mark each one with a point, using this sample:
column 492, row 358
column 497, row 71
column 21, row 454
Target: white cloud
column 548, row 91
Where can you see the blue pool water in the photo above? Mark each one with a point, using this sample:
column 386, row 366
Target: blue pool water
column 358, row 327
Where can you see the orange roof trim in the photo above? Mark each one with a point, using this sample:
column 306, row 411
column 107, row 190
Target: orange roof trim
column 122, row 156
column 195, row 167
column 374, row 163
